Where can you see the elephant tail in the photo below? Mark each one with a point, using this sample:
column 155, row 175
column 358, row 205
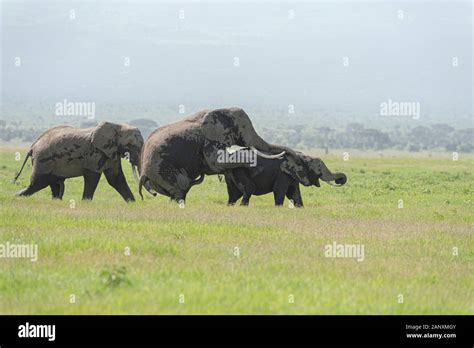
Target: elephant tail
column 145, row 181
column 198, row 180
column 23, row 165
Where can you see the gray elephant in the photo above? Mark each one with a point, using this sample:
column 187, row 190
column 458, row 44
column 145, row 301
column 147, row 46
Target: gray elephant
column 281, row 176
column 64, row 152
column 177, row 156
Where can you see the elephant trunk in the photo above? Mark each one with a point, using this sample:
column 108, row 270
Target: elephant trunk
column 326, row 175
column 263, row 146
column 252, row 139
column 341, row 179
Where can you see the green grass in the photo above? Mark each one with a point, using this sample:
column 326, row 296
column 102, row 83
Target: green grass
column 192, row 251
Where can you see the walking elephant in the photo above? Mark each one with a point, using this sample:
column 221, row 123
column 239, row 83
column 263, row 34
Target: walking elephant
column 64, row 152
column 177, row 156
column 282, row 177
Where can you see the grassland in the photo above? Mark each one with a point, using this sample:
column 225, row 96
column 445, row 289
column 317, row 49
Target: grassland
column 208, row 258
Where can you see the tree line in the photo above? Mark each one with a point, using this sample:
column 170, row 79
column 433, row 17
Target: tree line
column 354, row 136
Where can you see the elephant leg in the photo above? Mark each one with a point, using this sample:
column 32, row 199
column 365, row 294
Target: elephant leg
column 61, row 189
column 38, row 182
column 245, row 200
column 172, row 181
column 294, row 194
column 177, row 196
column 280, row 188
column 91, row 180
column 162, row 191
column 232, row 191
column 57, row 189
column 180, row 196
column 116, row 179
column 243, row 182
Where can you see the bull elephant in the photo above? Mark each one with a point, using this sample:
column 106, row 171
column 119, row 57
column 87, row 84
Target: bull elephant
column 177, row 156
column 64, row 152
column 282, row 177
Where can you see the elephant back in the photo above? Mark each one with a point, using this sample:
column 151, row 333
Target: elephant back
column 61, row 151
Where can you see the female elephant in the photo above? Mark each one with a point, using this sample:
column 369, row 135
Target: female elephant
column 175, row 155
column 282, row 177
column 308, row 170
column 64, row 152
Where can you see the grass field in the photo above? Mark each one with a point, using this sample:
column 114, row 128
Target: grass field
column 155, row 257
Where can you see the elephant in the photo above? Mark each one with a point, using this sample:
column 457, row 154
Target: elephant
column 176, row 157
column 265, row 178
column 281, row 176
column 64, row 152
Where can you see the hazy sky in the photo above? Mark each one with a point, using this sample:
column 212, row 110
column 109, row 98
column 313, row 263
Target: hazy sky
column 287, row 52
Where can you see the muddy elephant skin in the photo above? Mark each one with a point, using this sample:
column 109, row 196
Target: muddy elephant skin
column 65, row 152
column 177, row 156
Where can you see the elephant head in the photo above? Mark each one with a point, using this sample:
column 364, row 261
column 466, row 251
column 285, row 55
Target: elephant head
column 231, row 130
column 115, row 139
column 309, row 170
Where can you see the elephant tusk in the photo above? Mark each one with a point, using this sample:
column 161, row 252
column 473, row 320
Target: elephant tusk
column 278, row 156
column 234, row 148
column 135, row 174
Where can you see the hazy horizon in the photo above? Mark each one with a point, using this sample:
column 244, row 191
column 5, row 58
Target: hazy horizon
column 339, row 58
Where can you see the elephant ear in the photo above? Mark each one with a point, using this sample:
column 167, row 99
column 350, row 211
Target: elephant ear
column 104, row 138
column 299, row 172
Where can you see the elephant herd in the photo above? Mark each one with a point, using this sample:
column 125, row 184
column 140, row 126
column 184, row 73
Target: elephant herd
column 174, row 158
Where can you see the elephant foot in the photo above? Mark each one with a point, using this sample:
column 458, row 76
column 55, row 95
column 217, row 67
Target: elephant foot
column 21, row 193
